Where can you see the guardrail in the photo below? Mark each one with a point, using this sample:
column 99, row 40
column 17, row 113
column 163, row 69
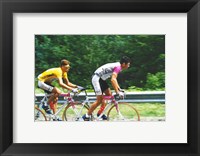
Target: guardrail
column 132, row 97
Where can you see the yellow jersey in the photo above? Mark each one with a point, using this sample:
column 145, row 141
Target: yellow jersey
column 51, row 74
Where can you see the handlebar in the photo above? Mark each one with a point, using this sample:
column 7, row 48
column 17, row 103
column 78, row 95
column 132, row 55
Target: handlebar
column 117, row 97
column 112, row 97
column 74, row 94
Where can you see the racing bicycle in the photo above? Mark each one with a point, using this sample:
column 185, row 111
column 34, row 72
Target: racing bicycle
column 78, row 107
column 116, row 110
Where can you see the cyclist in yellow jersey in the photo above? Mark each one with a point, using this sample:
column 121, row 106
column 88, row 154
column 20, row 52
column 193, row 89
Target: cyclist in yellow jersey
column 60, row 74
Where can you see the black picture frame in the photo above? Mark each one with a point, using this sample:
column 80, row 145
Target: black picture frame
column 8, row 7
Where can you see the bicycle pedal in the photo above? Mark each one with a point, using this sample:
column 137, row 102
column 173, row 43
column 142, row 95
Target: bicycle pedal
column 79, row 119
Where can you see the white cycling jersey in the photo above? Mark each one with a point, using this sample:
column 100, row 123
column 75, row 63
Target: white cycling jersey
column 105, row 71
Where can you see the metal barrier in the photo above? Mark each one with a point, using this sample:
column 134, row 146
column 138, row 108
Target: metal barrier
column 132, row 97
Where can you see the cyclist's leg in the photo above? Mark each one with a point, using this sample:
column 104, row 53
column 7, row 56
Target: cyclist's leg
column 54, row 99
column 53, row 104
column 95, row 104
column 99, row 95
column 106, row 90
column 47, row 87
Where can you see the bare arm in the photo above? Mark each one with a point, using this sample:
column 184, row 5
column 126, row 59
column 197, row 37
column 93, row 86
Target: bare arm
column 62, row 84
column 69, row 83
column 114, row 82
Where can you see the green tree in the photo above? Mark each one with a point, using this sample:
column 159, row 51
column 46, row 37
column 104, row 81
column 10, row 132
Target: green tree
column 87, row 52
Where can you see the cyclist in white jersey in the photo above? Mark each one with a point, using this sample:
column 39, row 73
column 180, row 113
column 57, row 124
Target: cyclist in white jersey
column 101, row 87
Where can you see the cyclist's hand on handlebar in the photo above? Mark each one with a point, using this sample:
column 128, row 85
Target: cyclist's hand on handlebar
column 75, row 90
column 121, row 95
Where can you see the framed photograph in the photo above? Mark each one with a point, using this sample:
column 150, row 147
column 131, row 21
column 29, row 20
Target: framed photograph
column 88, row 53
column 149, row 50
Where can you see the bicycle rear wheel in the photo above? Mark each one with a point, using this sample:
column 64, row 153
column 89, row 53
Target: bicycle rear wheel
column 39, row 115
column 126, row 113
column 74, row 112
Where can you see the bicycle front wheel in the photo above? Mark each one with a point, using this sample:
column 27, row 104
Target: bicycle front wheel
column 39, row 115
column 74, row 112
column 126, row 113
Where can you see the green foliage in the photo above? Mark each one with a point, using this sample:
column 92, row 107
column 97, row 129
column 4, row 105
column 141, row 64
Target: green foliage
column 87, row 52
column 134, row 88
column 155, row 81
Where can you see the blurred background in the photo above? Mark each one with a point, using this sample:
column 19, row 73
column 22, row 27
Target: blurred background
column 88, row 52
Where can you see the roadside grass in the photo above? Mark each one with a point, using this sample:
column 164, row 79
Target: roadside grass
column 150, row 109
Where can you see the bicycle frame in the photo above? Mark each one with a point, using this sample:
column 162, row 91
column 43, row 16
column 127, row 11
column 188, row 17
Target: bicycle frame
column 78, row 112
column 44, row 99
column 111, row 100
column 69, row 100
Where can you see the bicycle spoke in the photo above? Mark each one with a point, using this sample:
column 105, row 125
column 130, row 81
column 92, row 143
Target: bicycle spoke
column 74, row 113
column 126, row 113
